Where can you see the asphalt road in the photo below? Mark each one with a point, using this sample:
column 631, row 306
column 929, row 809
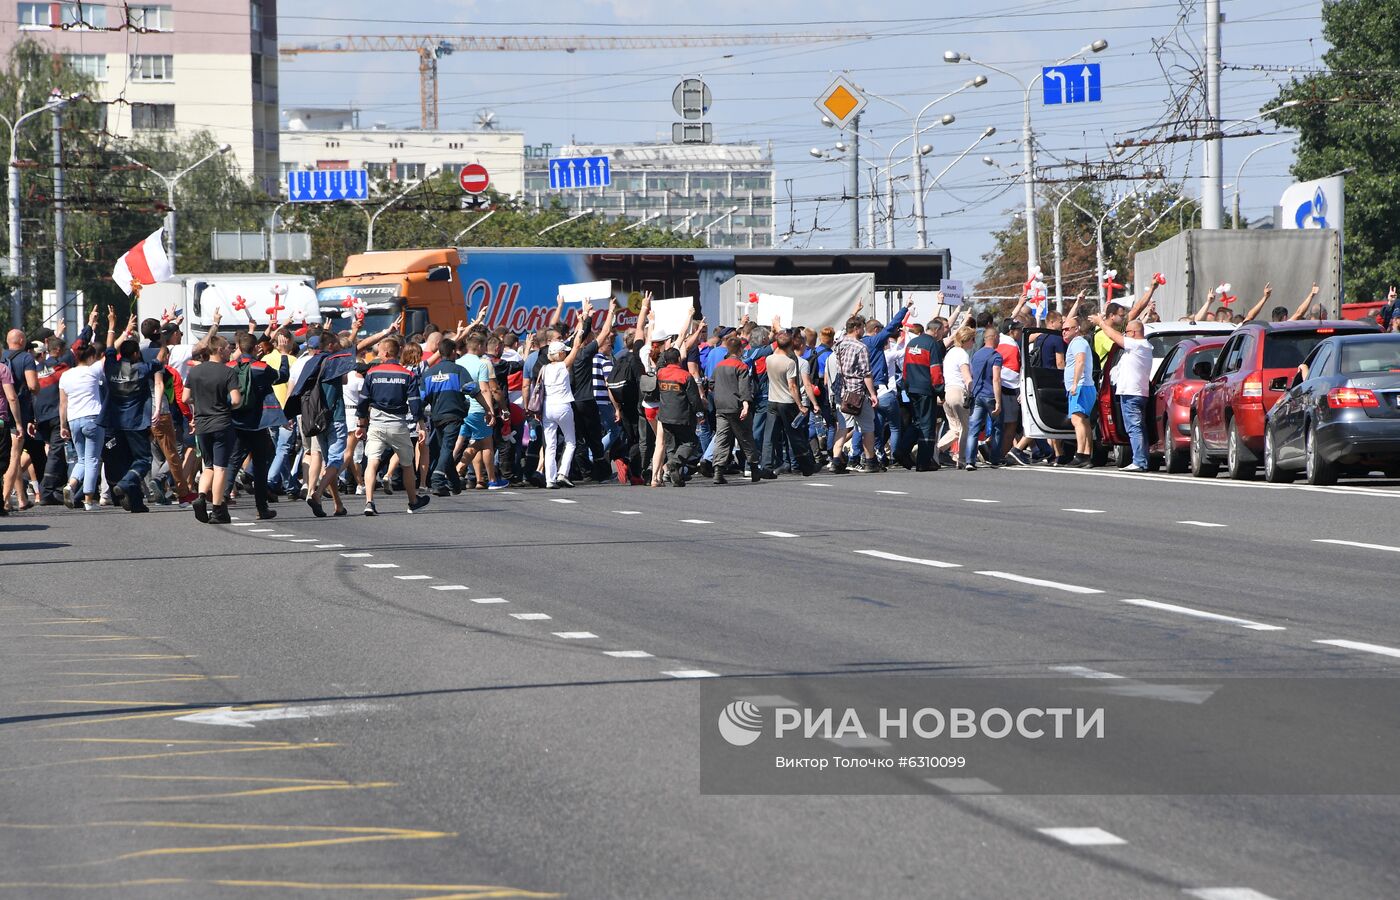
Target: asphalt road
column 290, row 709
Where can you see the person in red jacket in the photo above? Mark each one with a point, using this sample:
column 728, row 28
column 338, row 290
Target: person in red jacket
column 680, row 405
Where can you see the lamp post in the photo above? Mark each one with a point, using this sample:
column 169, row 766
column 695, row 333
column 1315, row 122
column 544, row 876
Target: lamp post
column 988, row 132
column 1239, row 173
column 580, row 215
column 1027, row 136
column 458, row 236
column 54, row 103
column 1098, row 234
column 170, row 181
column 271, row 238
column 369, row 238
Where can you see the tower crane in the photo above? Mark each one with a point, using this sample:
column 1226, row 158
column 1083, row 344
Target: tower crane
column 432, row 47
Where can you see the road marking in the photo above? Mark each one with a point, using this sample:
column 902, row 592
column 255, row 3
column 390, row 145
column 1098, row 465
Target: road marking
column 260, row 531
column 1082, row 837
column 816, row 484
column 575, row 635
column 779, row 533
column 530, row 617
column 964, row 785
column 329, row 546
column 978, row 500
column 691, row 673
column 1041, row 582
column 856, row 740
column 1202, row 614
column 448, row 587
column 1358, row 645
column 281, row 535
column 413, row 577
column 895, row 557
column 1357, row 544
column 304, row 541
column 356, row 555
column 899, row 493
column 240, row 524
column 1084, row 672
column 1085, row 511
column 561, row 500
column 244, row 718
column 489, row 600
column 1201, row 524
column 1230, row 893
column 381, row 565
column 627, row 654
column 697, row 522
column 1214, row 483
column 628, row 512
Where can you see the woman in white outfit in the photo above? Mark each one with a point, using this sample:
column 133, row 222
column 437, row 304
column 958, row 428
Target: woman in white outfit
column 558, row 405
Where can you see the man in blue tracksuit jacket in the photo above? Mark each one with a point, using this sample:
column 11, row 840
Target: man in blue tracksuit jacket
column 260, row 411
column 444, row 389
column 887, row 411
column 391, row 405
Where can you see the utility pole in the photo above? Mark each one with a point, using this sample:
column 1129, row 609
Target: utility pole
column 1212, row 188
column 854, row 187
column 60, row 252
column 870, row 212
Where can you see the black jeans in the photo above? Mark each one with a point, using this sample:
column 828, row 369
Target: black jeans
column 782, row 431
column 588, row 432
column 258, row 446
column 926, row 408
column 128, row 460
column 55, row 470
column 682, row 446
column 444, row 467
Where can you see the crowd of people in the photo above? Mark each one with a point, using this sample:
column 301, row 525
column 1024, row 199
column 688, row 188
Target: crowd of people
column 320, row 415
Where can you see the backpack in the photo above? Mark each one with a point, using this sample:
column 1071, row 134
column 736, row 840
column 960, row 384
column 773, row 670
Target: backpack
column 244, row 373
column 315, row 417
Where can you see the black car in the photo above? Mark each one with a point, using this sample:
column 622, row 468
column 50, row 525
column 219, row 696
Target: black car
column 1342, row 410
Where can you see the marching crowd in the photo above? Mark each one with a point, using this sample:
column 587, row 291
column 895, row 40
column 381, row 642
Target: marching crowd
column 321, row 415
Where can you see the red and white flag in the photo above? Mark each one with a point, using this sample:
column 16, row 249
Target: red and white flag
column 146, row 263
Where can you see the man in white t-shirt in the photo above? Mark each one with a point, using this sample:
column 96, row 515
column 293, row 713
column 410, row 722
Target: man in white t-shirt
column 1130, row 381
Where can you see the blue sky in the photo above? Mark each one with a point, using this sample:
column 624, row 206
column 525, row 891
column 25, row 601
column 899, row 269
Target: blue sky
column 764, row 93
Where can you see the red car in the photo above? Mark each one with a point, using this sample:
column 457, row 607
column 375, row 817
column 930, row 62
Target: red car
column 1250, row 374
column 1181, row 376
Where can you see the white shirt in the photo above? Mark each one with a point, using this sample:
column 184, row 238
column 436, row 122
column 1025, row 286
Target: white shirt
column 953, row 361
column 509, row 355
column 1134, row 368
column 352, row 391
column 83, row 385
column 178, row 358
column 558, row 387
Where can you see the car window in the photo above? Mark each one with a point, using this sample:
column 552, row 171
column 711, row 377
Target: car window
column 1208, row 354
column 1169, row 364
column 1288, row 349
column 1317, row 361
column 1360, row 357
column 1232, row 356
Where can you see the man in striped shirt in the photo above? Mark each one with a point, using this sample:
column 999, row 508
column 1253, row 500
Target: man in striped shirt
column 608, row 414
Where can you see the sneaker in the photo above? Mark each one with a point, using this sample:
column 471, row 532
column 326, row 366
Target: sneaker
column 220, row 516
column 88, row 506
column 442, row 490
column 838, row 467
column 499, row 484
column 387, row 486
column 201, row 508
column 1080, row 461
column 768, row 474
column 120, row 495
column 720, row 479
column 264, row 514
column 563, row 482
column 1018, row 457
column 707, row 468
column 1132, row 467
column 316, row 509
column 370, row 510
column 106, row 499
column 969, row 468
column 422, row 501
column 68, row 500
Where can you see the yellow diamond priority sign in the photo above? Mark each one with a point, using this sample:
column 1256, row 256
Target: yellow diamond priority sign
column 841, row 102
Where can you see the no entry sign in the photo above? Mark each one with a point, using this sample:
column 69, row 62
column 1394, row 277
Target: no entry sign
column 474, row 178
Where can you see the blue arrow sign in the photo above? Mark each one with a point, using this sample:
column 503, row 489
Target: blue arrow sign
column 1077, row 83
column 326, row 185
column 579, row 172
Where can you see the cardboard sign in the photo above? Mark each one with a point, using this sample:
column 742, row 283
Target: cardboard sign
column 952, row 291
column 770, row 305
column 587, row 290
column 673, row 315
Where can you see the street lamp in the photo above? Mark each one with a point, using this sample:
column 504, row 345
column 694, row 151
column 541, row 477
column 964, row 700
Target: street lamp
column 369, row 237
column 170, row 182
column 1027, row 136
column 1239, row 173
column 586, row 212
column 1098, row 232
column 55, row 102
column 706, row 228
column 919, row 197
column 458, row 236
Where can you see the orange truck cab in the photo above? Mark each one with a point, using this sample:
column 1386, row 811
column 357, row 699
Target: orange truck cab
column 423, row 284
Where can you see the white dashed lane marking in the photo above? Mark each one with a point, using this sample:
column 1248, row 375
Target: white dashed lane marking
column 561, row 500
column 1085, row 672
column 697, row 522
column 413, row 577
column 304, row 541
column 240, row 524
column 489, row 600
column 894, row 557
column 816, row 484
column 259, row 530
column 1226, row 893
column 381, row 565
column 1041, row 582
column 627, row 654
column 448, row 587
column 329, row 546
column 1359, row 544
column 781, row 534
column 691, row 673
column 575, row 635
column 530, row 617
column 1365, row 648
column 978, row 500
column 1082, row 837
column 898, row 493
column 1085, row 511
column 628, row 512
column 356, row 555
column 1200, row 524
column 281, row 535
column 1202, row 614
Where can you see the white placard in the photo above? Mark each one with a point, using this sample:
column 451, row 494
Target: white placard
column 952, row 291
column 672, row 315
column 770, row 305
column 586, row 290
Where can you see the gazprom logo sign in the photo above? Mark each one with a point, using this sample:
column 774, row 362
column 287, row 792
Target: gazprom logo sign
column 1313, row 204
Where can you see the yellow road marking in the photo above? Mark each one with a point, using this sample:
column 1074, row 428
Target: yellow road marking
column 146, row 715
column 68, row 621
column 153, row 678
column 462, row 891
column 31, row 606
column 169, row 755
column 163, row 741
column 83, row 638
column 98, row 657
column 110, row 702
column 264, row 792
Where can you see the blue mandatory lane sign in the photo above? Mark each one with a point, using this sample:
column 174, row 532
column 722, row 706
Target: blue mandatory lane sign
column 325, row 185
column 579, row 172
column 1078, row 83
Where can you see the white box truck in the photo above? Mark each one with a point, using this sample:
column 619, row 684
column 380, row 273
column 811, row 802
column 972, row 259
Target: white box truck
column 239, row 298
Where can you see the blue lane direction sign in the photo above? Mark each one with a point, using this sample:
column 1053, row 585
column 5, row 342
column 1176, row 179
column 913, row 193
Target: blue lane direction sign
column 579, row 172
column 1078, row 83
column 326, row 185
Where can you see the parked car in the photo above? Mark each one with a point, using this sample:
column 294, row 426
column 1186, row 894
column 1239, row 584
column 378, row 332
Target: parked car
column 1109, row 438
column 1251, row 373
column 1174, row 387
column 1342, row 409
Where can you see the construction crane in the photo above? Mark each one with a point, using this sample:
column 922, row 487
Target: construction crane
column 432, row 47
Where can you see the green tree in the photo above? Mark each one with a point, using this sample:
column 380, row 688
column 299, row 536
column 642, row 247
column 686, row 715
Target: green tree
column 1363, row 68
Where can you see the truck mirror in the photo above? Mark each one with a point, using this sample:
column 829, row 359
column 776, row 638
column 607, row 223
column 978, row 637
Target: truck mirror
column 440, row 273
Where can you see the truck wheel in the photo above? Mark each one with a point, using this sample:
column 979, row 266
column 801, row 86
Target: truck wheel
column 1273, row 473
column 1201, row 465
column 1173, row 460
column 1319, row 470
column 1237, row 462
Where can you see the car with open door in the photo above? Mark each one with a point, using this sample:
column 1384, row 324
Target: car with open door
column 1044, row 406
column 1251, row 373
column 1180, row 376
column 1341, row 411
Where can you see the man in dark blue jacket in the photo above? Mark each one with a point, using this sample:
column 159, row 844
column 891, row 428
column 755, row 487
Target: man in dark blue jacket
column 444, row 389
column 259, row 412
column 391, row 403
column 887, row 414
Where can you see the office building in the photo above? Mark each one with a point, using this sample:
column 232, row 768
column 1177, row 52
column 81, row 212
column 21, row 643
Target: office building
column 171, row 68
column 724, row 191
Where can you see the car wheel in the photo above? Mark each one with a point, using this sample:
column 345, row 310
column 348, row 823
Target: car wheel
column 1319, row 470
column 1173, row 460
column 1122, row 455
column 1273, row 473
column 1236, row 456
column 1201, row 465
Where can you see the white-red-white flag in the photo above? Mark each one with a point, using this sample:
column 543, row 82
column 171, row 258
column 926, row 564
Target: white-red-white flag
column 146, row 263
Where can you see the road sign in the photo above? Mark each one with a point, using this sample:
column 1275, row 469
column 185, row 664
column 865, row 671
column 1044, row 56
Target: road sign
column 473, row 178
column 841, row 102
column 326, row 185
column 579, row 172
column 692, row 133
column 1078, row 83
column 691, row 99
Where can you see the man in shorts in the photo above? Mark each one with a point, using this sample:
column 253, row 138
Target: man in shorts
column 211, row 390
column 1080, row 390
column 390, row 406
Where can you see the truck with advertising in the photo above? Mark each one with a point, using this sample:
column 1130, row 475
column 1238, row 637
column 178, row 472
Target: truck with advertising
column 238, row 298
